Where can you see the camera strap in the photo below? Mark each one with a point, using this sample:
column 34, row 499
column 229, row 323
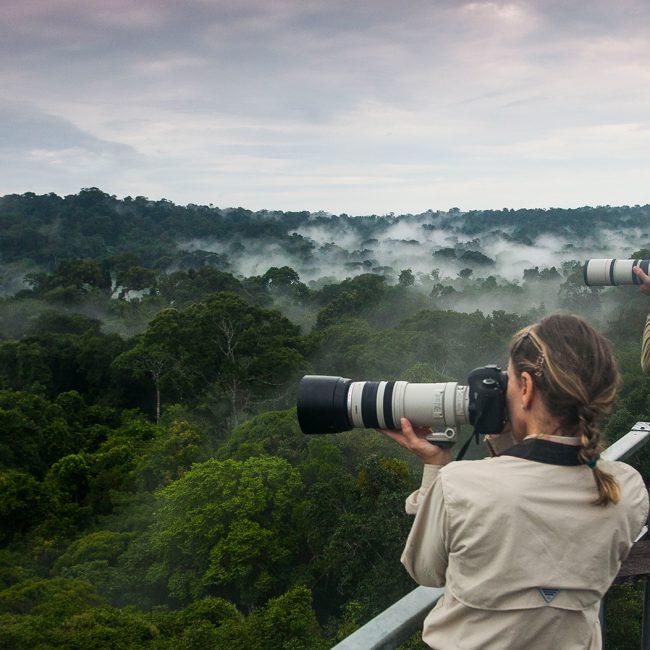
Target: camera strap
column 465, row 447
column 537, row 450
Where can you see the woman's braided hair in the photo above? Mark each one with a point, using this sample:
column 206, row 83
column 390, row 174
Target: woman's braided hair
column 574, row 370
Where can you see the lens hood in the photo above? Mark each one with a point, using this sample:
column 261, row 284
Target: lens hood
column 322, row 404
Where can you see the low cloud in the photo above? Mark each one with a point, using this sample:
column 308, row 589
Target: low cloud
column 343, row 248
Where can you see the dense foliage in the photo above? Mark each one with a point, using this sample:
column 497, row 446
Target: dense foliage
column 155, row 489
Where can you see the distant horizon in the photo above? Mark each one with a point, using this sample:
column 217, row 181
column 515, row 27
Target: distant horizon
column 343, row 212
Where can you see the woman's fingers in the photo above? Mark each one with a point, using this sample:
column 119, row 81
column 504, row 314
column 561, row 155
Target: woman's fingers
column 414, row 439
column 409, row 435
column 644, row 278
column 410, row 431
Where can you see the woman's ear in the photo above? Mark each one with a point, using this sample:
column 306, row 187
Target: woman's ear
column 527, row 389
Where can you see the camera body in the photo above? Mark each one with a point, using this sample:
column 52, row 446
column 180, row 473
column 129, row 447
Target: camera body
column 487, row 399
column 333, row 404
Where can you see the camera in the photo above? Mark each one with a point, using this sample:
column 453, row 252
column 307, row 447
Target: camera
column 612, row 272
column 333, row 404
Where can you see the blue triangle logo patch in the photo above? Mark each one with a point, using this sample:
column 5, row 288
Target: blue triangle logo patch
column 548, row 594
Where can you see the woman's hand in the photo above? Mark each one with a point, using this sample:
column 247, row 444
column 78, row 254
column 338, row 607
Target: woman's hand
column 644, row 287
column 414, row 439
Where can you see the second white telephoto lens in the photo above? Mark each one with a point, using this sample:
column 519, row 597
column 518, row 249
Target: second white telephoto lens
column 612, row 272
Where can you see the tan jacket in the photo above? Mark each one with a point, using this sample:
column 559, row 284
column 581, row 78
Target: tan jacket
column 645, row 347
column 524, row 554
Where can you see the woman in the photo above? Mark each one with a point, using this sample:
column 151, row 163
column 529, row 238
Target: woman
column 527, row 543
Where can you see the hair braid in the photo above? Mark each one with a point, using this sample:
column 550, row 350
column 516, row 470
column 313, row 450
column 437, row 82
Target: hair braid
column 590, row 448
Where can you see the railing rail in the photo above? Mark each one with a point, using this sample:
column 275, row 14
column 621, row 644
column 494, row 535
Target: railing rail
column 402, row 619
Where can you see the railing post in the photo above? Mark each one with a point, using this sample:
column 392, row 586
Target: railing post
column 629, row 444
column 395, row 624
column 645, row 623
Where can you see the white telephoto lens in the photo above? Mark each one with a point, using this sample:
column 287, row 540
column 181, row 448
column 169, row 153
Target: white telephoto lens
column 597, row 272
column 622, row 272
column 612, row 272
column 382, row 404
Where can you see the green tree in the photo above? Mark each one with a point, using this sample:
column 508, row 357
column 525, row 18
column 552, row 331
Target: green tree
column 288, row 623
column 350, row 298
column 94, row 558
column 55, row 322
column 68, row 484
column 227, row 528
column 22, row 503
column 171, row 452
column 135, row 278
column 476, row 258
column 147, row 360
column 282, row 277
column 49, row 597
column 106, row 627
column 24, row 365
column 362, row 554
column 623, row 616
column 246, row 351
column 113, row 464
column 338, row 347
column 445, row 253
column 34, row 432
column 577, row 297
column 406, row 278
column 285, row 281
column 274, row 433
column 182, row 288
column 83, row 275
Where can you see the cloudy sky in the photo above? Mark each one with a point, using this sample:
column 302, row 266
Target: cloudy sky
column 372, row 106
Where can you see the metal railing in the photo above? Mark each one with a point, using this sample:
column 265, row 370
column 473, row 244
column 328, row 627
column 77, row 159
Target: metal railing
column 399, row 622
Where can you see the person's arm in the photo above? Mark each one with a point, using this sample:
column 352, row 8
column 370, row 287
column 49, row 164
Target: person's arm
column 429, row 476
column 426, row 550
column 644, row 287
column 425, row 554
column 645, row 347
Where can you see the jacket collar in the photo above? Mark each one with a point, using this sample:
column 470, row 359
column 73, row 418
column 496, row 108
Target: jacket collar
column 545, row 451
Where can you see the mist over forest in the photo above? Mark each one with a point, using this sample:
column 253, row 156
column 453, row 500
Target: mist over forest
column 155, row 489
column 450, row 254
column 509, row 242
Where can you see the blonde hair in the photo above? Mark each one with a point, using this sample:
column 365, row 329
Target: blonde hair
column 574, row 370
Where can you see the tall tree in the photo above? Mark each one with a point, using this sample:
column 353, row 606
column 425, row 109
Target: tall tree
column 246, row 351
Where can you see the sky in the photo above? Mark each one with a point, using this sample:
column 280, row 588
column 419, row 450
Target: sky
column 366, row 107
